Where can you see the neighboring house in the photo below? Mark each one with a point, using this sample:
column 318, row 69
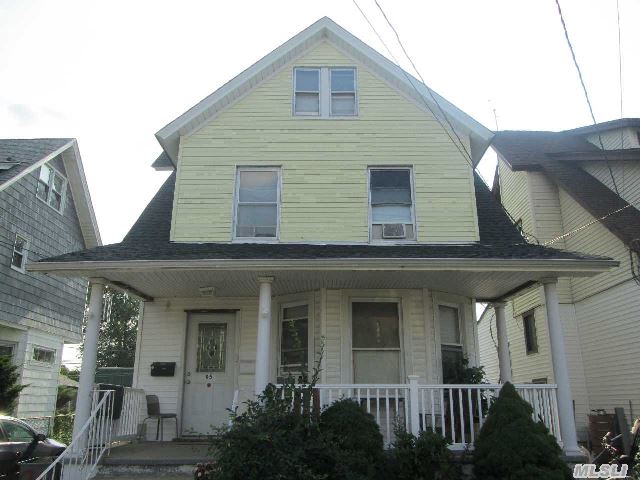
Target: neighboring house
column 556, row 183
column 315, row 201
column 45, row 210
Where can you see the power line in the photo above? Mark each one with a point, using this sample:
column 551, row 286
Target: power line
column 464, row 152
column 586, row 94
column 597, row 220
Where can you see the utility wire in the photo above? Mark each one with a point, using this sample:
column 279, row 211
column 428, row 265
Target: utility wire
column 463, row 151
column 586, row 94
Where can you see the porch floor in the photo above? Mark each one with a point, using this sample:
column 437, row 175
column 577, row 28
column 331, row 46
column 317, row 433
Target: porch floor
column 159, row 453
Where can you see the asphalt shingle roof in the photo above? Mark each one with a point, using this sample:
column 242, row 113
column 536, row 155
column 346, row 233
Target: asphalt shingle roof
column 524, row 150
column 148, row 239
column 26, row 152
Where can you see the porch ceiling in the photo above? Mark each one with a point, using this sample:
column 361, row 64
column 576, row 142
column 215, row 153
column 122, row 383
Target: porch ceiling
column 476, row 282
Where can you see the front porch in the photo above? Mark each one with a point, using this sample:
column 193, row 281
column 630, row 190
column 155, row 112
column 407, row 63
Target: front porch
column 215, row 332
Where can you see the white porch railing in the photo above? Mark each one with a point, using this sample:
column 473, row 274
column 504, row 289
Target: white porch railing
column 457, row 412
column 100, row 432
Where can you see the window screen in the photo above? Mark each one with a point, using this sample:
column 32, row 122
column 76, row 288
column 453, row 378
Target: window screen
column 376, row 342
column 257, row 203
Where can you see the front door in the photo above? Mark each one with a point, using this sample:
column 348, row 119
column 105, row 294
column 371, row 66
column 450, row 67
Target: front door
column 210, row 373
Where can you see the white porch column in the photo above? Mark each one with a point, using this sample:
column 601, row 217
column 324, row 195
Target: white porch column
column 504, row 355
column 560, row 368
column 89, row 355
column 264, row 334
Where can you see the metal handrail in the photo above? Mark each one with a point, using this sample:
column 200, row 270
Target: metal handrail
column 79, row 460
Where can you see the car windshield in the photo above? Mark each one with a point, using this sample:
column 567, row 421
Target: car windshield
column 15, row 432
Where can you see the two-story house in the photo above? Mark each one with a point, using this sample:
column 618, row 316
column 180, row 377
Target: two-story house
column 45, row 210
column 568, row 193
column 319, row 200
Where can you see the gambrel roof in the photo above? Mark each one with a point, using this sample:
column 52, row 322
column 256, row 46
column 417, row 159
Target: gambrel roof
column 23, row 156
column 323, row 29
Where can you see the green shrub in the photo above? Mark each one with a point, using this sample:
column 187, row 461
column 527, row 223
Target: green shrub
column 63, row 428
column 511, row 445
column 425, row 457
column 10, row 387
column 354, row 439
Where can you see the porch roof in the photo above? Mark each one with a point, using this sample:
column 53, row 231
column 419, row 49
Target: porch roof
column 146, row 261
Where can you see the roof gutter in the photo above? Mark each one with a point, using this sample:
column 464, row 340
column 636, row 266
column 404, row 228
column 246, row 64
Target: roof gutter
column 586, row 267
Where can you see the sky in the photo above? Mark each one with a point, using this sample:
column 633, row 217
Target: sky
column 111, row 74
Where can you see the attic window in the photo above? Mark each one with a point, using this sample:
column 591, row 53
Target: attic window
column 324, row 92
column 51, row 187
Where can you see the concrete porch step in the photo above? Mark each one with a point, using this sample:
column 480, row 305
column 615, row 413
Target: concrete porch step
column 147, row 460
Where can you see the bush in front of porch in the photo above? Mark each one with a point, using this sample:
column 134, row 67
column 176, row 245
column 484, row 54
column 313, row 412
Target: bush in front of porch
column 511, row 445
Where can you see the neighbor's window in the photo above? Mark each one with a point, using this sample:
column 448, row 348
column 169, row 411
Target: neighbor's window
column 343, row 91
column 6, row 349
column 257, row 199
column 19, row 257
column 294, row 343
column 391, row 200
column 530, row 334
column 325, row 92
column 44, row 355
column 51, row 187
column 450, row 343
column 306, row 100
column 376, row 342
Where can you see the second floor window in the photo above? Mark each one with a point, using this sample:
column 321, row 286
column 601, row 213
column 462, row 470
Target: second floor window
column 19, row 257
column 257, row 203
column 391, row 200
column 51, row 187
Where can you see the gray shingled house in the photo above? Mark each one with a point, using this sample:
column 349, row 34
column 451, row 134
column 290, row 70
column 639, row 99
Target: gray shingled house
column 45, row 209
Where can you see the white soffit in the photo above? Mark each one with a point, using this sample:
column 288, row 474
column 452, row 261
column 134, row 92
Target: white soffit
column 323, row 29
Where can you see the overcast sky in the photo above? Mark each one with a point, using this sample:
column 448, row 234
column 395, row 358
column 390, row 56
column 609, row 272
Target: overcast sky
column 113, row 73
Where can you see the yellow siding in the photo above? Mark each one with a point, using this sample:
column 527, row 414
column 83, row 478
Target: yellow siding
column 324, row 163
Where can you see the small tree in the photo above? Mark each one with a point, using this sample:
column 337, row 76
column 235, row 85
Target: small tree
column 512, row 446
column 10, row 387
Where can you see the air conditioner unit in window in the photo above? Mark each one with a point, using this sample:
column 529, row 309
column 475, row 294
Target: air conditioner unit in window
column 393, row 230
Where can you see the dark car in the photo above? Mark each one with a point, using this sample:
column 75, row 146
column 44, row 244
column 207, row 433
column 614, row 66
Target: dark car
column 24, row 454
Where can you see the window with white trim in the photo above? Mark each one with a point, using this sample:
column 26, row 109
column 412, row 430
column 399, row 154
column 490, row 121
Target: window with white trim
column 51, row 187
column 325, row 92
column 530, row 334
column 450, row 342
column 391, row 204
column 375, row 342
column 306, row 99
column 257, row 203
column 43, row 355
column 294, row 343
column 19, row 256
